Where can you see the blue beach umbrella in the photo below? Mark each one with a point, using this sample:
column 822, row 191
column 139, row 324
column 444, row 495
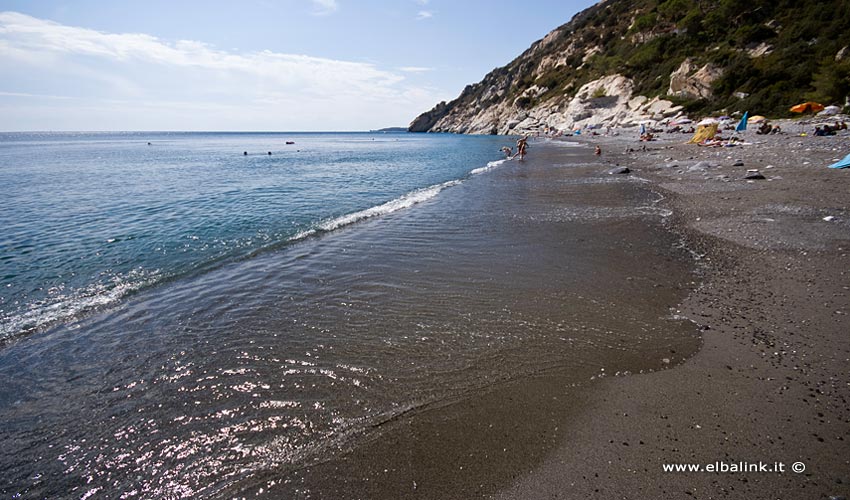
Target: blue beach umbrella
column 845, row 163
column 742, row 125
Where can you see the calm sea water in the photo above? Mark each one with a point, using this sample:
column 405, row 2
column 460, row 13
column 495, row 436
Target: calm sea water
column 90, row 217
column 184, row 321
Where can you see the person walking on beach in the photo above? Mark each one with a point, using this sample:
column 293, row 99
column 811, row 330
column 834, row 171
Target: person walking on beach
column 521, row 146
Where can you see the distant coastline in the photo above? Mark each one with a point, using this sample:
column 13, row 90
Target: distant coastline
column 391, row 130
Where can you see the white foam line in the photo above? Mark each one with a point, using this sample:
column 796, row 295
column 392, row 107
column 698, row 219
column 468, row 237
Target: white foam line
column 406, row 201
column 490, row 166
column 302, row 234
column 66, row 307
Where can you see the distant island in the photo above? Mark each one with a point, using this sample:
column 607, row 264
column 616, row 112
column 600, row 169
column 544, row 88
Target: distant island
column 390, row 130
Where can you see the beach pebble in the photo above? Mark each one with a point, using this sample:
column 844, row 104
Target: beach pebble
column 699, row 167
column 738, row 163
column 829, row 218
column 753, row 175
column 619, row 170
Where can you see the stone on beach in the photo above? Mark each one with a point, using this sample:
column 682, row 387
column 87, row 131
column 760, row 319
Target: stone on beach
column 701, row 166
column 619, row 170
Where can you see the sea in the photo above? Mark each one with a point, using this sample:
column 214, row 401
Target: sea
column 195, row 315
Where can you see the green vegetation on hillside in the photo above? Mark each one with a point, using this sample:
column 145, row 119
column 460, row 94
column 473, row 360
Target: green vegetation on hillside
column 647, row 40
column 772, row 54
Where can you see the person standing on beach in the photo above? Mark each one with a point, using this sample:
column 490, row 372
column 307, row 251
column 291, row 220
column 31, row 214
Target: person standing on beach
column 521, row 146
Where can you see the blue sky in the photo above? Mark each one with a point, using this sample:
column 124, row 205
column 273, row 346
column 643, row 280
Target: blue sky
column 254, row 64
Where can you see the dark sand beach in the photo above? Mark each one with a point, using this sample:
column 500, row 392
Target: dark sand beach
column 760, row 375
column 770, row 382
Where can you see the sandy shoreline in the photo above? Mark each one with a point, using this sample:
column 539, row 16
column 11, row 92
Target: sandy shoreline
column 771, row 382
column 585, row 261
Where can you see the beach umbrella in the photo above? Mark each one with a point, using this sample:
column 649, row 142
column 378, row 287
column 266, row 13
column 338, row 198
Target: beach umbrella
column 742, row 125
column 845, row 163
column 756, row 119
column 807, row 107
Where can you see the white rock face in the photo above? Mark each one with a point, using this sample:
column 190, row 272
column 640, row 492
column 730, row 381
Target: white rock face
column 762, row 49
column 687, row 82
column 608, row 101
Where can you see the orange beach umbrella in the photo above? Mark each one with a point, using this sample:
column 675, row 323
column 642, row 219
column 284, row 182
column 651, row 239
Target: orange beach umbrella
column 807, row 107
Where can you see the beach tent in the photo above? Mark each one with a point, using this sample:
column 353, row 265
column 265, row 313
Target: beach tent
column 845, row 163
column 807, row 107
column 704, row 132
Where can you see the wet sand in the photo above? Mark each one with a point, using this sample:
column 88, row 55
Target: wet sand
column 771, row 382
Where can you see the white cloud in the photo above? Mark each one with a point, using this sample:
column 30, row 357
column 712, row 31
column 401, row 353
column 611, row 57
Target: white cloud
column 27, row 94
column 325, row 7
column 115, row 73
column 415, row 69
column 26, row 35
column 422, row 2
column 424, row 14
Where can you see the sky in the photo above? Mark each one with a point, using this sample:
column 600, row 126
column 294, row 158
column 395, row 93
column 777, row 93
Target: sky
column 252, row 65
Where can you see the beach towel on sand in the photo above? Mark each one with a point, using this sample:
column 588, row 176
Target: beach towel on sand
column 844, row 163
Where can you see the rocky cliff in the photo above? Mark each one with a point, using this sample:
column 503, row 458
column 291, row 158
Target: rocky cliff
column 621, row 62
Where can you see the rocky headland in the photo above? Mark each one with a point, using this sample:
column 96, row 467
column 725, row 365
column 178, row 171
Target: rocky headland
column 622, row 62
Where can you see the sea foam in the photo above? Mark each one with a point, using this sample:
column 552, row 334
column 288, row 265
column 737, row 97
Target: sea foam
column 400, row 203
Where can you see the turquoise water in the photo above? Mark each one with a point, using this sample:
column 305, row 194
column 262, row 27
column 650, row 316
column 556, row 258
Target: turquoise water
column 88, row 218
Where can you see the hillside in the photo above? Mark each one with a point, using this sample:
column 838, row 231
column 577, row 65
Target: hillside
column 622, row 61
